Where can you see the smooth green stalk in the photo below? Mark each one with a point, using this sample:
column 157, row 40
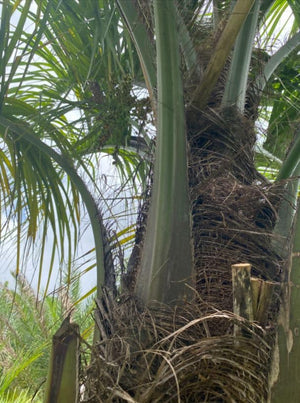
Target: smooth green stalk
column 286, row 212
column 276, row 60
column 283, row 229
column 291, row 162
column 66, row 164
column 236, row 84
column 222, row 50
column 187, row 47
column 287, row 387
column 63, row 376
column 166, row 264
column 141, row 40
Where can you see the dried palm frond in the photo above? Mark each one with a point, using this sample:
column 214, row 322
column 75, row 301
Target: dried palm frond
column 162, row 354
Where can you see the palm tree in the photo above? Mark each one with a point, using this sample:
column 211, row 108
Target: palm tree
column 209, row 207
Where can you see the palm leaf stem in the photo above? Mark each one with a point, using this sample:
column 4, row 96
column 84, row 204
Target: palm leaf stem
column 291, row 162
column 236, row 83
column 141, row 40
column 222, row 50
column 166, row 262
column 275, row 61
column 287, row 387
column 187, row 47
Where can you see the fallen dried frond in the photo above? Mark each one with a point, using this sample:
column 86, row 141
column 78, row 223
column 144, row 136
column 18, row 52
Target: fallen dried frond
column 165, row 355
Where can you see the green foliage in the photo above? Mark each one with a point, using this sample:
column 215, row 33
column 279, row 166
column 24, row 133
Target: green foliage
column 67, row 73
column 285, row 96
column 27, row 326
column 16, row 396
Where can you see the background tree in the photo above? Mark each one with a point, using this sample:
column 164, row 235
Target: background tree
column 208, row 82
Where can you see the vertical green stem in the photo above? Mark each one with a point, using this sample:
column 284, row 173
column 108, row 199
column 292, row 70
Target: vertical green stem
column 166, row 263
column 142, row 42
column 63, row 376
column 283, row 228
column 222, row 50
column 236, row 84
column 287, row 387
column 291, row 162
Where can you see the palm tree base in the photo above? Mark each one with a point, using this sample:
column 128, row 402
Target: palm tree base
column 161, row 353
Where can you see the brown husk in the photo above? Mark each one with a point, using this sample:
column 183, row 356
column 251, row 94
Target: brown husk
column 234, row 208
column 165, row 354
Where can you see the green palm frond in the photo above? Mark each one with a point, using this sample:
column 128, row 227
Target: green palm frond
column 27, row 325
column 276, row 23
column 31, row 176
column 65, row 68
column 284, row 99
